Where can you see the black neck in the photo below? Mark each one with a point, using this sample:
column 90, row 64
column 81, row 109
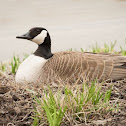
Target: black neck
column 44, row 49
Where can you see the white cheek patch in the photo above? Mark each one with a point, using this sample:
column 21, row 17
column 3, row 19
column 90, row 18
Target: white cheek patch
column 39, row 39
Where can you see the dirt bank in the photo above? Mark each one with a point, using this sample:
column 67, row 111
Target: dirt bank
column 16, row 105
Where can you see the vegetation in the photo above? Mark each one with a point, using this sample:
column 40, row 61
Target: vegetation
column 123, row 50
column 70, row 104
column 105, row 49
column 15, row 62
column 3, row 66
column 12, row 66
column 51, row 108
column 80, row 105
column 108, row 49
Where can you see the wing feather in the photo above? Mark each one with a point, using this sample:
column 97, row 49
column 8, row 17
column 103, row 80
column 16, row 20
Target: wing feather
column 72, row 65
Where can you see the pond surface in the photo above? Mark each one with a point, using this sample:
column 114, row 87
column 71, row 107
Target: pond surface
column 71, row 23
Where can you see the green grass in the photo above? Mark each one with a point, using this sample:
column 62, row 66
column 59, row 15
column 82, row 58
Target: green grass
column 12, row 66
column 15, row 62
column 74, row 104
column 78, row 104
column 106, row 49
column 52, row 109
column 3, row 67
column 123, row 50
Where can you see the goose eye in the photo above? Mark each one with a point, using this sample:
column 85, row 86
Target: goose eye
column 38, row 30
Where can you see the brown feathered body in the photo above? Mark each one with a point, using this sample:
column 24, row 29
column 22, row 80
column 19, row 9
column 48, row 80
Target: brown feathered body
column 72, row 66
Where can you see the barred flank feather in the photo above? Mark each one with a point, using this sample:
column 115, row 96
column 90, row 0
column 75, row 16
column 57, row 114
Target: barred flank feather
column 70, row 66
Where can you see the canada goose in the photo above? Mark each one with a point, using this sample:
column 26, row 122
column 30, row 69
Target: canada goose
column 43, row 66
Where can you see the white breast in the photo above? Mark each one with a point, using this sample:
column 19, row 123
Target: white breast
column 30, row 69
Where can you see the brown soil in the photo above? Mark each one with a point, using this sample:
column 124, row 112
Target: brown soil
column 16, row 105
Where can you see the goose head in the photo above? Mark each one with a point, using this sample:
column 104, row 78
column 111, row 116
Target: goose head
column 36, row 34
column 41, row 37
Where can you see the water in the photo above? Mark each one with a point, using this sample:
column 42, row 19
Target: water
column 71, row 23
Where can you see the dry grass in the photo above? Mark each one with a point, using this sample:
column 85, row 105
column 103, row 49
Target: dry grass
column 80, row 104
column 60, row 103
column 24, row 105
